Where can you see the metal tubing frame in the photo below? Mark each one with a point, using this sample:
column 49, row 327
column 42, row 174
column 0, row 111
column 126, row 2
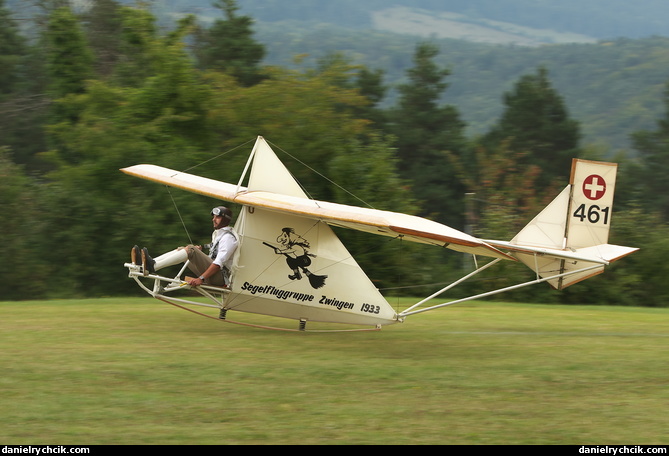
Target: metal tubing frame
column 457, row 282
column 159, row 291
column 213, row 293
column 410, row 310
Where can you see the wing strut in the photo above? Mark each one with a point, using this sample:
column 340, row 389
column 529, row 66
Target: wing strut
column 443, row 290
column 539, row 279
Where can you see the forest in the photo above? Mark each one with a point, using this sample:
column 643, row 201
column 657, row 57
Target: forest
column 93, row 91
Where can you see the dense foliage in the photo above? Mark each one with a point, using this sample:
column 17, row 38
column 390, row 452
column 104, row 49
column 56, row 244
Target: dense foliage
column 76, row 108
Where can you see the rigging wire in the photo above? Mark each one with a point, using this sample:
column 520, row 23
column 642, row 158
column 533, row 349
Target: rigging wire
column 400, row 237
column 305, row 190
column 217, row 156
column 321, row 175
column 291, row 156
column 399, row 273
column 190, row 240
column 179, row 214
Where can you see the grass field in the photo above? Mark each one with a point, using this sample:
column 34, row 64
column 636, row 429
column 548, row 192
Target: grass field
column 136, row 371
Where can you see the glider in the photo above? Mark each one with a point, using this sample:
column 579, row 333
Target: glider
column 291, row 264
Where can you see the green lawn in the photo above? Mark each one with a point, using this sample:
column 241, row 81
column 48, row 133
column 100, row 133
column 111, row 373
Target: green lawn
column 137, row 371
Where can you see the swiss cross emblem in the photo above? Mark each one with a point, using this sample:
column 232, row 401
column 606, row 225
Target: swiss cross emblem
column 594, row 187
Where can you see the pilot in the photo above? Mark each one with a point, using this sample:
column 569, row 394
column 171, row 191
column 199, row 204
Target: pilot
column 213, row 269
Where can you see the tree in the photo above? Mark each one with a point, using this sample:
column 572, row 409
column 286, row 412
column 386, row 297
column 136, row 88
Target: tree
column 102, row 23
column 303, row 112
column 69, row 60
column 425, row 130
column 502, row 198
column 159, row 119
column 536, row 121
column 22, row 103
column 366, row 175
column 12, row 49
column 339, row 70
column 24, row 273
column 69, row 64
column 650, row 174
column 138, row 47
column 228, row 46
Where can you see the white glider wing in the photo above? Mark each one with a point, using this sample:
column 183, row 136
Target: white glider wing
column 185, row 181
column 290, row 199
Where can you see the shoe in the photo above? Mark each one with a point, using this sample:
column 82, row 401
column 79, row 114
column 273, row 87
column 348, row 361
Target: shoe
column 148, row 263
column 136, row 256
column 296, row 276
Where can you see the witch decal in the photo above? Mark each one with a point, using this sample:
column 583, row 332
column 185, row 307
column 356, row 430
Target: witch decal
column 296, row 250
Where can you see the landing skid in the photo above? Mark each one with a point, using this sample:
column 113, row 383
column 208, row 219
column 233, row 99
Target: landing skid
column 160, row 288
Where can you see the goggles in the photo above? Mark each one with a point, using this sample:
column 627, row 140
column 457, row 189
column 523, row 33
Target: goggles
column 220, row 212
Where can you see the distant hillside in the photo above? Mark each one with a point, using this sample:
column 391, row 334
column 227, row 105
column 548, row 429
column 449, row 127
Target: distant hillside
column 601, row 54
column 555, row 20
column 424, row 23
column 599, row 19
column 613, row 88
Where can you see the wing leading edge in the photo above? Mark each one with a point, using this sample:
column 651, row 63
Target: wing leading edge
column 413, row 228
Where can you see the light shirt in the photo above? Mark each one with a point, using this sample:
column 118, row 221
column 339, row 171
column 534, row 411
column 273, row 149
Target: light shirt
column 223, row 246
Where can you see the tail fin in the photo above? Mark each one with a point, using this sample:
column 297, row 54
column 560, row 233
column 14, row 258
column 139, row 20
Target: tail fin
column 570, row 236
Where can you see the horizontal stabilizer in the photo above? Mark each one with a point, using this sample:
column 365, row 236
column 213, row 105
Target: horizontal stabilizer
column 567, row 263
column 607, row 252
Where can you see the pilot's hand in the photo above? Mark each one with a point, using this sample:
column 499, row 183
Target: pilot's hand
column 195, row 282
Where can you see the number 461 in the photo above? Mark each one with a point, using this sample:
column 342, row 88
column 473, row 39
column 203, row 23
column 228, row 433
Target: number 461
column 593, row 213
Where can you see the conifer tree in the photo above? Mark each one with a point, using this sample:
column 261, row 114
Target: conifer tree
column 69, row 64
column 536, row 122
column 426, row 131
column 102, row 23
column 228, row 46
column 12, row 47
column 650, row 174
column 69, row 60
column 22, row 103
column 22, row 231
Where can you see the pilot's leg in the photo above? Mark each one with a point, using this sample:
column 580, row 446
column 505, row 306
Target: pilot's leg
column 200, row 262
column 151, row 265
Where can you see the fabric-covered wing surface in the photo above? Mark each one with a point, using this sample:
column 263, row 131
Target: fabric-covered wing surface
column 374, row 221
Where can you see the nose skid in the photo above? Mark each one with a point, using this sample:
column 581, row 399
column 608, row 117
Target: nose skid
column 160, row 287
